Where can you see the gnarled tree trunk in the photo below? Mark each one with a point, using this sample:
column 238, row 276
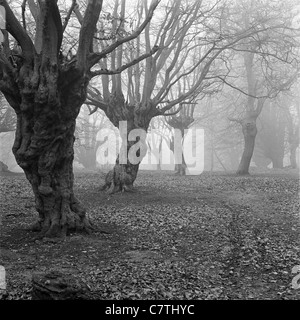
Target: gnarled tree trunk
column 124, row 173
column 43, row 148
column 249, row 131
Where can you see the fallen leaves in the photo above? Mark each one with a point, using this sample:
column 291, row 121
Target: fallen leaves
column 200, row 237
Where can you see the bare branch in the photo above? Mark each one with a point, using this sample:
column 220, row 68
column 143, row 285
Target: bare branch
column 95, row 57
column 235, row 120
column 78, row 13
column 67, row 18
column 87, row 31
column 23, row 6
column 14, row 27
column 172, row 113
column 126, row 66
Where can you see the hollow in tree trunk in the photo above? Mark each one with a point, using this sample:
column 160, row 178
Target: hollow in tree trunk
column 249, row 131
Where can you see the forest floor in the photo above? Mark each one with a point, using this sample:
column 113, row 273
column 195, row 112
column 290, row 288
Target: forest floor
column 213, row 236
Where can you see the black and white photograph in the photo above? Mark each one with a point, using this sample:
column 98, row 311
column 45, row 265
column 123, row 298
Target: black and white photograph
column 149, row 153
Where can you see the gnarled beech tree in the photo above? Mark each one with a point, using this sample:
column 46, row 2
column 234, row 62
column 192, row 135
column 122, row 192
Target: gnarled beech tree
column 46, row 90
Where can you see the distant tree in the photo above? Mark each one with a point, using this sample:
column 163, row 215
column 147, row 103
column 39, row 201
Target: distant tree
column 293, row 120
column 270, row 61
column 271, row 137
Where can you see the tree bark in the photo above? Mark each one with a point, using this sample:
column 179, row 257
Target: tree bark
column 124, row 173
column 43, row 148
column 122, row 176
column 249, row 131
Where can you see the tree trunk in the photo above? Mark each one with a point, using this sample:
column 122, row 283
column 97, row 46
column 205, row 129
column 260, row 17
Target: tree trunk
column 180, row 168
column 122, row 176
column 43, row 148
column 124, row 173
column 131, row 117
column 249, row 131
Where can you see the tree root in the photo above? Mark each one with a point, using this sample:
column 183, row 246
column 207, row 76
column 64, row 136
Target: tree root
column 61, row 231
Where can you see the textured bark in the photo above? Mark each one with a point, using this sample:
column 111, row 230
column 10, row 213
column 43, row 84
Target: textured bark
column 249, row 131
column 43, row 148
column 46, row 90
column 123, row 175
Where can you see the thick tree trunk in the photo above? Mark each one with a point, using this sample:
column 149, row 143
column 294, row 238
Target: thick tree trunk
column 121, row 177
column 249, row 132
column 124, row 173
column 46, row 156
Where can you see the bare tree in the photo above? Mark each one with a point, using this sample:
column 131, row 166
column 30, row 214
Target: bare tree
column 46, row 89
column 269, row 60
